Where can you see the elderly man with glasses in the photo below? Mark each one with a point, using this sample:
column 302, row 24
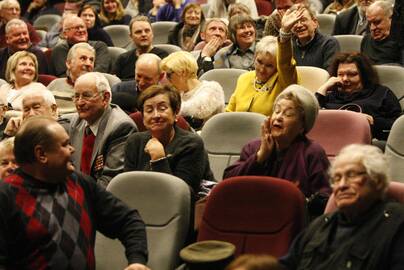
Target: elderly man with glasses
column 366, row 231
column 99, row 130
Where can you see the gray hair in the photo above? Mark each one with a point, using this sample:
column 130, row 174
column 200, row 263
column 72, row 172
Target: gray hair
column 101, row 83
column 80, row 45
column 371, row 157
column 7, row 145
column 268, row 44
column 210, row 20
column 38, row 90
column 149, row 57
column 13, row 23
column 386, row 6
column 7, row 3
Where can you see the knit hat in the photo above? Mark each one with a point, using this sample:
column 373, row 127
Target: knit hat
column 212, row 255
column 307, row 100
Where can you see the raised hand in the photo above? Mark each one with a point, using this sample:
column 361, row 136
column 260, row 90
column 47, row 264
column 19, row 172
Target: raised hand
column 291, row 17
column 329, row 85
column 211, row 47
column 267, row 142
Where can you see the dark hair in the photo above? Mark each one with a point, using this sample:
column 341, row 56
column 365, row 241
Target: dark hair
column 97, row 23
column 154, row 90
column 367, row 73
column 189, row 6
column 236, row 22
column 255, row 262
column 34, row 131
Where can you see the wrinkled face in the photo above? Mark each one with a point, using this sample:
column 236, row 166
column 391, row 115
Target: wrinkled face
column 350, row 77
column 7, row 162
column 36, row 105
column 142, row 34
column 215, row 30
column 146, row 75
column 265, row 66
column 90, row 103
column 75, row 30
column 25, row 71
column 17, row 38
column 286, row 121
column 245, row 35
column 11, row 11
column 378, row 23
column 158, row 115
column 81, row 63
column 110, row 6
column 364, row 4
column 88, row 17
column 58, row 157
column 305, row 28
column 351, row 186
column 193, row 16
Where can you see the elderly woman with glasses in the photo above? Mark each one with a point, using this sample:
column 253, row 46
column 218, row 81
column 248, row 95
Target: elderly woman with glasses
column 366, row 231
column 164, row 147
column 200, row 100
column 275, row 69
column 283, row 150
column 21, row 75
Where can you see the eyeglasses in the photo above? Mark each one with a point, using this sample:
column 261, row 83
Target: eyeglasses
column 76, row 28
column 86, row 96
column 350, row 176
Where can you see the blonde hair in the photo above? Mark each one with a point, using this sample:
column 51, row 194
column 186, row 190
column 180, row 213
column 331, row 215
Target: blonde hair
column 180, row 62
column 106, row 17
column 12, row 65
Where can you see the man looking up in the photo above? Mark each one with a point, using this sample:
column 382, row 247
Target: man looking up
column 50, row 214
column 142, row 37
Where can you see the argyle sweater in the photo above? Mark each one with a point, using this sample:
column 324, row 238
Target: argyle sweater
column 52, row 226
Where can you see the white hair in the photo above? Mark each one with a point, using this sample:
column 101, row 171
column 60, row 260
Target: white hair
column 267, row 44
column 101, row 83
column 14, row 22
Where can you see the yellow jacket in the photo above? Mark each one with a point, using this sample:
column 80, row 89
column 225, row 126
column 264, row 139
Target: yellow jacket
column 246, row 99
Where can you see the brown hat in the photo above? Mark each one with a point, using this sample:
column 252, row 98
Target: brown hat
column 212, row 255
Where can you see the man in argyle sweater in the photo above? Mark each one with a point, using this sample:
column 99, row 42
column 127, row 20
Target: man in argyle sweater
column 49, row 214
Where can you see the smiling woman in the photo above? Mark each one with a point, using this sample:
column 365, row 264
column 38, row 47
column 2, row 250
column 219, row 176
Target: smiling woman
column 21, row 74
column 164, row 147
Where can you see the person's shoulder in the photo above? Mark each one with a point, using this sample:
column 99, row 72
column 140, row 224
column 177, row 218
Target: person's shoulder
column 185, row 136
column 212, row 85
column 119, row 118
column 159, row 52
column 97, row 44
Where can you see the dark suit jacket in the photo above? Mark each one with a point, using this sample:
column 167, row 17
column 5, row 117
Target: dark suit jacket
column 113, row 130
column 346, row 22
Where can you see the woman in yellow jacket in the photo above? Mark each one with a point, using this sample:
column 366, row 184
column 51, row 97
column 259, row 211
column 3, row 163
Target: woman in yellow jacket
column 275, row 69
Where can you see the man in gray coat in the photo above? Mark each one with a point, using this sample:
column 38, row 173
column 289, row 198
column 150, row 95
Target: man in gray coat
column 99, row 130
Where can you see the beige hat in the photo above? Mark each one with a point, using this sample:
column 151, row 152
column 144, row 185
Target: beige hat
column 308, row 101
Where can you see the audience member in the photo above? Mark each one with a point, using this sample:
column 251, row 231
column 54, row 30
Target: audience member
column 186, row 33
column 353, row 21
column 112, row 12
column 80, row 60
column 366, row 232
column 172, row 10
column 88, row 14
column 214, row 36
column 35, row 101
column 165, row 147
column 142, row 37
column 355, row 84
column 10, row 9
column 397, row 25
column 379, row 46
column 50, row 214
column 275, row 70
column 17, row 39
column 273, row 23
column 3, row 110
column 147, row 73
column 338, row 6
column 310, row 46
column 220, row 8
column 241, row 53
column 7, row 159
column 21, row 75
column 54, row 34
column 200, row 100
column 152, row 14
column 255, row 262
column 37, row 8
column 283, row 150
column 75, row 31
column 237, row 9
column 99, row 130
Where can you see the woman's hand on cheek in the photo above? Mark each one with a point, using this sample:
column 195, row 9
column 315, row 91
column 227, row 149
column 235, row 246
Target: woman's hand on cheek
column 155, row 149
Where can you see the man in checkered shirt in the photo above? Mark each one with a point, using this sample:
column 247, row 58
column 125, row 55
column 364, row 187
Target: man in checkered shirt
column 49, row 214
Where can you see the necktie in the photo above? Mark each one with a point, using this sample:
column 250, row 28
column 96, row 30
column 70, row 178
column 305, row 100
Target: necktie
column 87, row 151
